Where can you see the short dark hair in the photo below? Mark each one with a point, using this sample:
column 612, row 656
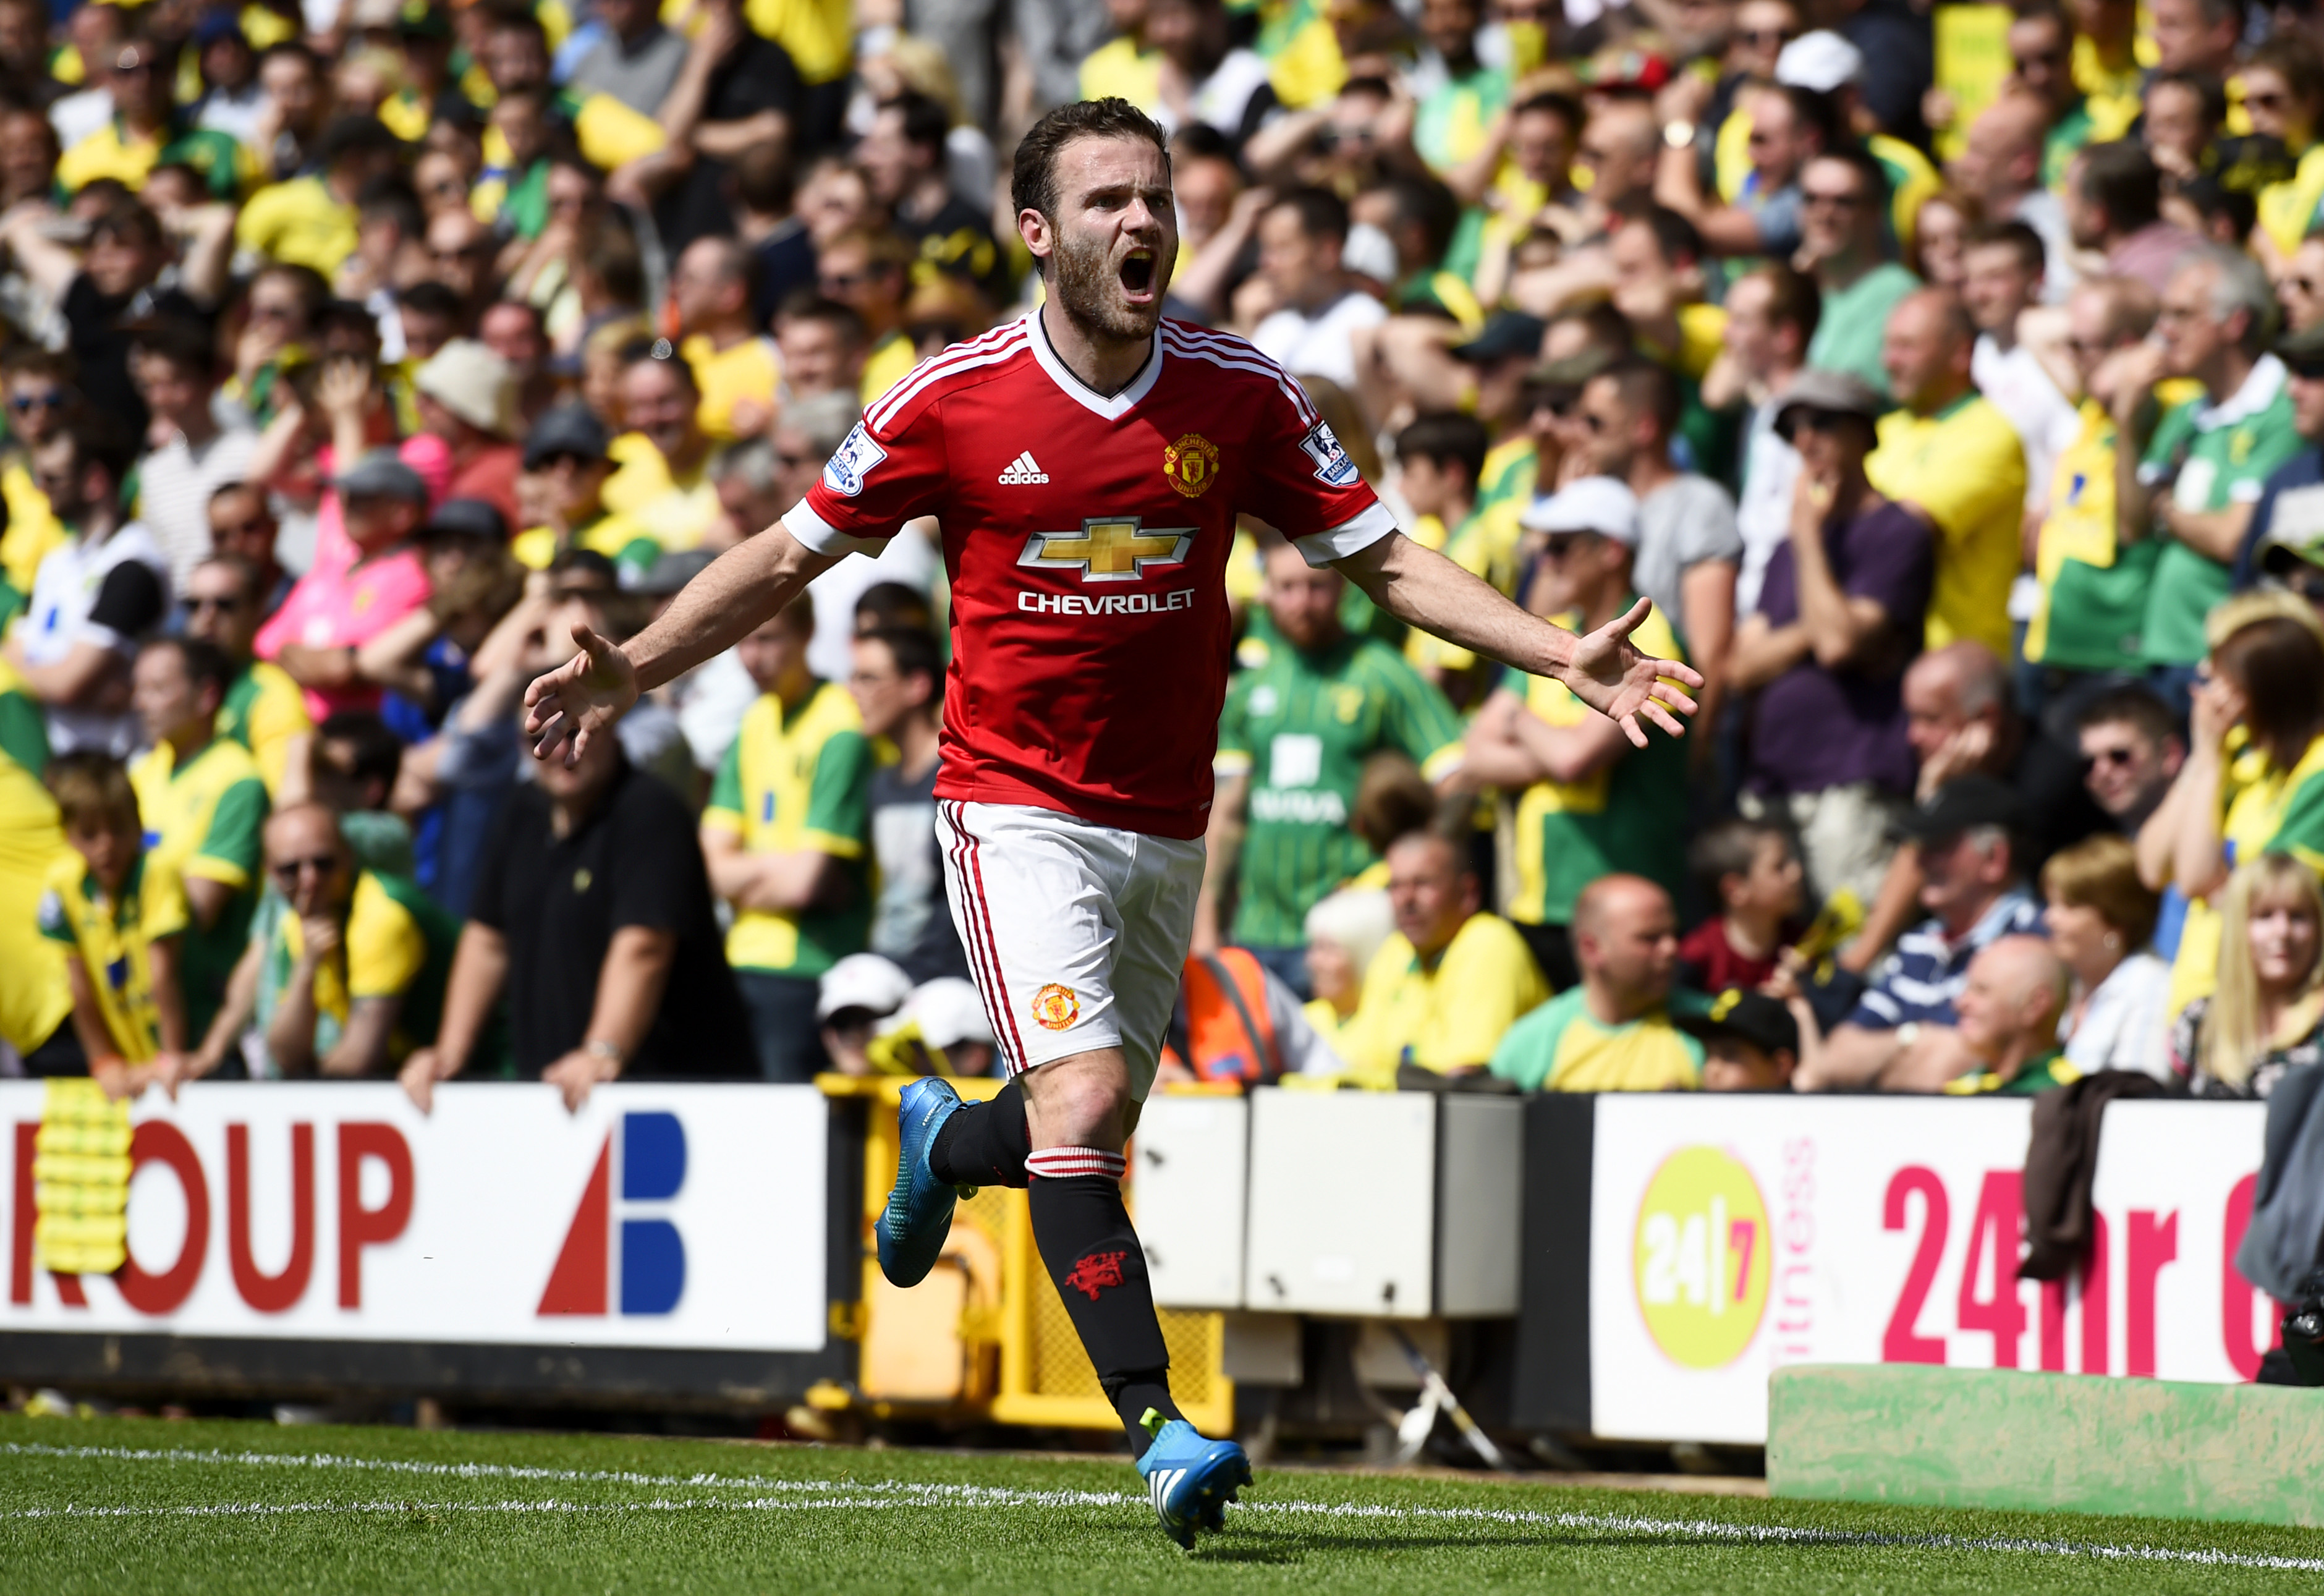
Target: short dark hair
column 2296, row 60
column 1646, row 386
column 391, row 198
column 764, row 177
column 1446, row 436
column 99, row 438
column 927, row 124
column 805, row 304
column 2209, row 90
column 207, row 664
column 1322, row 213
column 1564, row 106
column 893, row 606
column 431, row 298
column 2279, row 664
column 378, row 752
column 1794, row 299
column 1429, row 204
column 1866, row 165
column 2130, row 705
column 1729, row 847
column 915, row 652
column 1033, row 179
column 2017, row 236
column 129, row 220
column 184, row 343
column 2121, row 179
column 1678, row 239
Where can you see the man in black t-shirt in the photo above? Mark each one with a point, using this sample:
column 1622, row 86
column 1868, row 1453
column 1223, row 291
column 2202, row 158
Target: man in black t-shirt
column 753, row 95
column 593, row 908
column 904, row 156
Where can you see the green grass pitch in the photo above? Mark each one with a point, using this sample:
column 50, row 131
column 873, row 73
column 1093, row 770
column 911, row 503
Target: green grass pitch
column 130, row 1506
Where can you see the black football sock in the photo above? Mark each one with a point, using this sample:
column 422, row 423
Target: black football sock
column 1083, row 1229
column 984, row 1143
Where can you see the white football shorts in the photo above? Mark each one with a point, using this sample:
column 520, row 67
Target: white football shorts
column 1075, row 932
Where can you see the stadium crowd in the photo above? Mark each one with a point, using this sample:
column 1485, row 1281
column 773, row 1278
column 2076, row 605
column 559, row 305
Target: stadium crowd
column 1967, row 432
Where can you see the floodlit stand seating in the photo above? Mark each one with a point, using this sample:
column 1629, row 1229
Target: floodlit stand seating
column 985, row 1338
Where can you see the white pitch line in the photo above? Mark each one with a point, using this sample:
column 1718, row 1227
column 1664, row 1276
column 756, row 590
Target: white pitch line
column 851, row 1495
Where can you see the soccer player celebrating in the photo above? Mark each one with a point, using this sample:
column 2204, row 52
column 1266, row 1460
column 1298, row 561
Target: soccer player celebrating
column 1087, row 464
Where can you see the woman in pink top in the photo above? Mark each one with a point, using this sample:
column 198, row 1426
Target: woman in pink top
column 355, row 591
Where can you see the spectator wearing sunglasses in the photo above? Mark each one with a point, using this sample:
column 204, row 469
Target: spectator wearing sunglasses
column 37, row 386
column 352, row 978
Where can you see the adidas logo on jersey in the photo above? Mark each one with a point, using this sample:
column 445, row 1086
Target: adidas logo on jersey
column 1022, row 472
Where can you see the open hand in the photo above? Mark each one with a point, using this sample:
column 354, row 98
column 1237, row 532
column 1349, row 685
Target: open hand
column 580, row 700
column 1611, row 677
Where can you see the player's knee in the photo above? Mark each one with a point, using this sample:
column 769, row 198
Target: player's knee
column 1078, row 1103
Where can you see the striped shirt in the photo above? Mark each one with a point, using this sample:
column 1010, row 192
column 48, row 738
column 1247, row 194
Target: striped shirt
column 174, row 485
column 1926, row 972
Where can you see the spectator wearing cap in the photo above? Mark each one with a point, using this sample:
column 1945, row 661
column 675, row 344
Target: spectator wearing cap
column 662, row 476
column 735, row 365
column 473, row 580
column 1822, row 657
column 262, row 709
column 565, row 469
column 1313, row 304
column 785, row 834
column 147, row 129
column 2202, row 468
column 1687, row 548
column 1588, row 803
column 951, row 1024
column 851, row 998
column 897, row 684
column 2285, row 542
column 592, row 914
column 467, row 396
column 2006, row 1018
column 311, row 221
column 1750, row 1041
column 1611, row 1032
column 175, row 367
column 98, row 592
column 1843, row 244
column 1949, row 455
column 337, row 607
column 1900, row 1036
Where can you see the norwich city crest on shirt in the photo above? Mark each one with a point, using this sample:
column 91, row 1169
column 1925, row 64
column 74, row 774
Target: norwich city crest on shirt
column 1190, row 463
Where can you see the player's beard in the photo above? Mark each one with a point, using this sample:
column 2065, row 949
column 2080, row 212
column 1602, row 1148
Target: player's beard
column 1086, row 283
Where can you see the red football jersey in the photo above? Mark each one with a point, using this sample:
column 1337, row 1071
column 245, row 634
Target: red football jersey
column 1087, row 538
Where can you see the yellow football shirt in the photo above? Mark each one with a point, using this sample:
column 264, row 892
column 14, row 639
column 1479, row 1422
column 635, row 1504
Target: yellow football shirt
column 299, row 222
column 115, row 942
column 1447, row 1016
column 793, row 781
column 750, row 372
column 1964, row 469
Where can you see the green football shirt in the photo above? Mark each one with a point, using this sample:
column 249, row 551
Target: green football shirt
column 2216, row 455
column 1300, row 726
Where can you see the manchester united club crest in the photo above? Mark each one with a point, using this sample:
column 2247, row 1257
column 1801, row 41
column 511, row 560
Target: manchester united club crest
column 1055, row 1008
column 1190, row 463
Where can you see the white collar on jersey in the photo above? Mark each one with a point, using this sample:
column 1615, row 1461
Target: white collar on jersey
column 1112, row 407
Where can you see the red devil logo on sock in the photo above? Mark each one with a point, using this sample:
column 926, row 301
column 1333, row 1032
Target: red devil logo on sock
column 1098, row 1270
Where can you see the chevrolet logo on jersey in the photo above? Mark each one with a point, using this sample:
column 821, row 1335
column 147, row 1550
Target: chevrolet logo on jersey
column 1108, row 548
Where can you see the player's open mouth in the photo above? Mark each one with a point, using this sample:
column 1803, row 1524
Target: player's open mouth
column 1137, row 275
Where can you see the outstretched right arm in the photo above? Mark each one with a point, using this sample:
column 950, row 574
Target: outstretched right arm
column 741, row 590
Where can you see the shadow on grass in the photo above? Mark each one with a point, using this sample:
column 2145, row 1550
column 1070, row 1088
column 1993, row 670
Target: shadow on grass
column 1237, row 1545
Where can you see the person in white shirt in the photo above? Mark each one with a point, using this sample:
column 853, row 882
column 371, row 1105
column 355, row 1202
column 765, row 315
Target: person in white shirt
column 1317, row 304
column 1771, row 315
column 2100, row 918
column 95, row 595
column 2003, row 266
column 174, row 366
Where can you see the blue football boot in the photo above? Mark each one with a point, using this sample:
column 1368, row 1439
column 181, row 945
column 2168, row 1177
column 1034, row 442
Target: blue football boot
column 918, row 1216
column 1191, row 1478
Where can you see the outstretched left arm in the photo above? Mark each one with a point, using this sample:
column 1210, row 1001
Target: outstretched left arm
column 1423, row 589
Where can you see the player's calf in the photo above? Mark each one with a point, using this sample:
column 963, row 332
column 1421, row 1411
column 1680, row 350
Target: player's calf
column 1083, row 1229
column 985, row 1143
